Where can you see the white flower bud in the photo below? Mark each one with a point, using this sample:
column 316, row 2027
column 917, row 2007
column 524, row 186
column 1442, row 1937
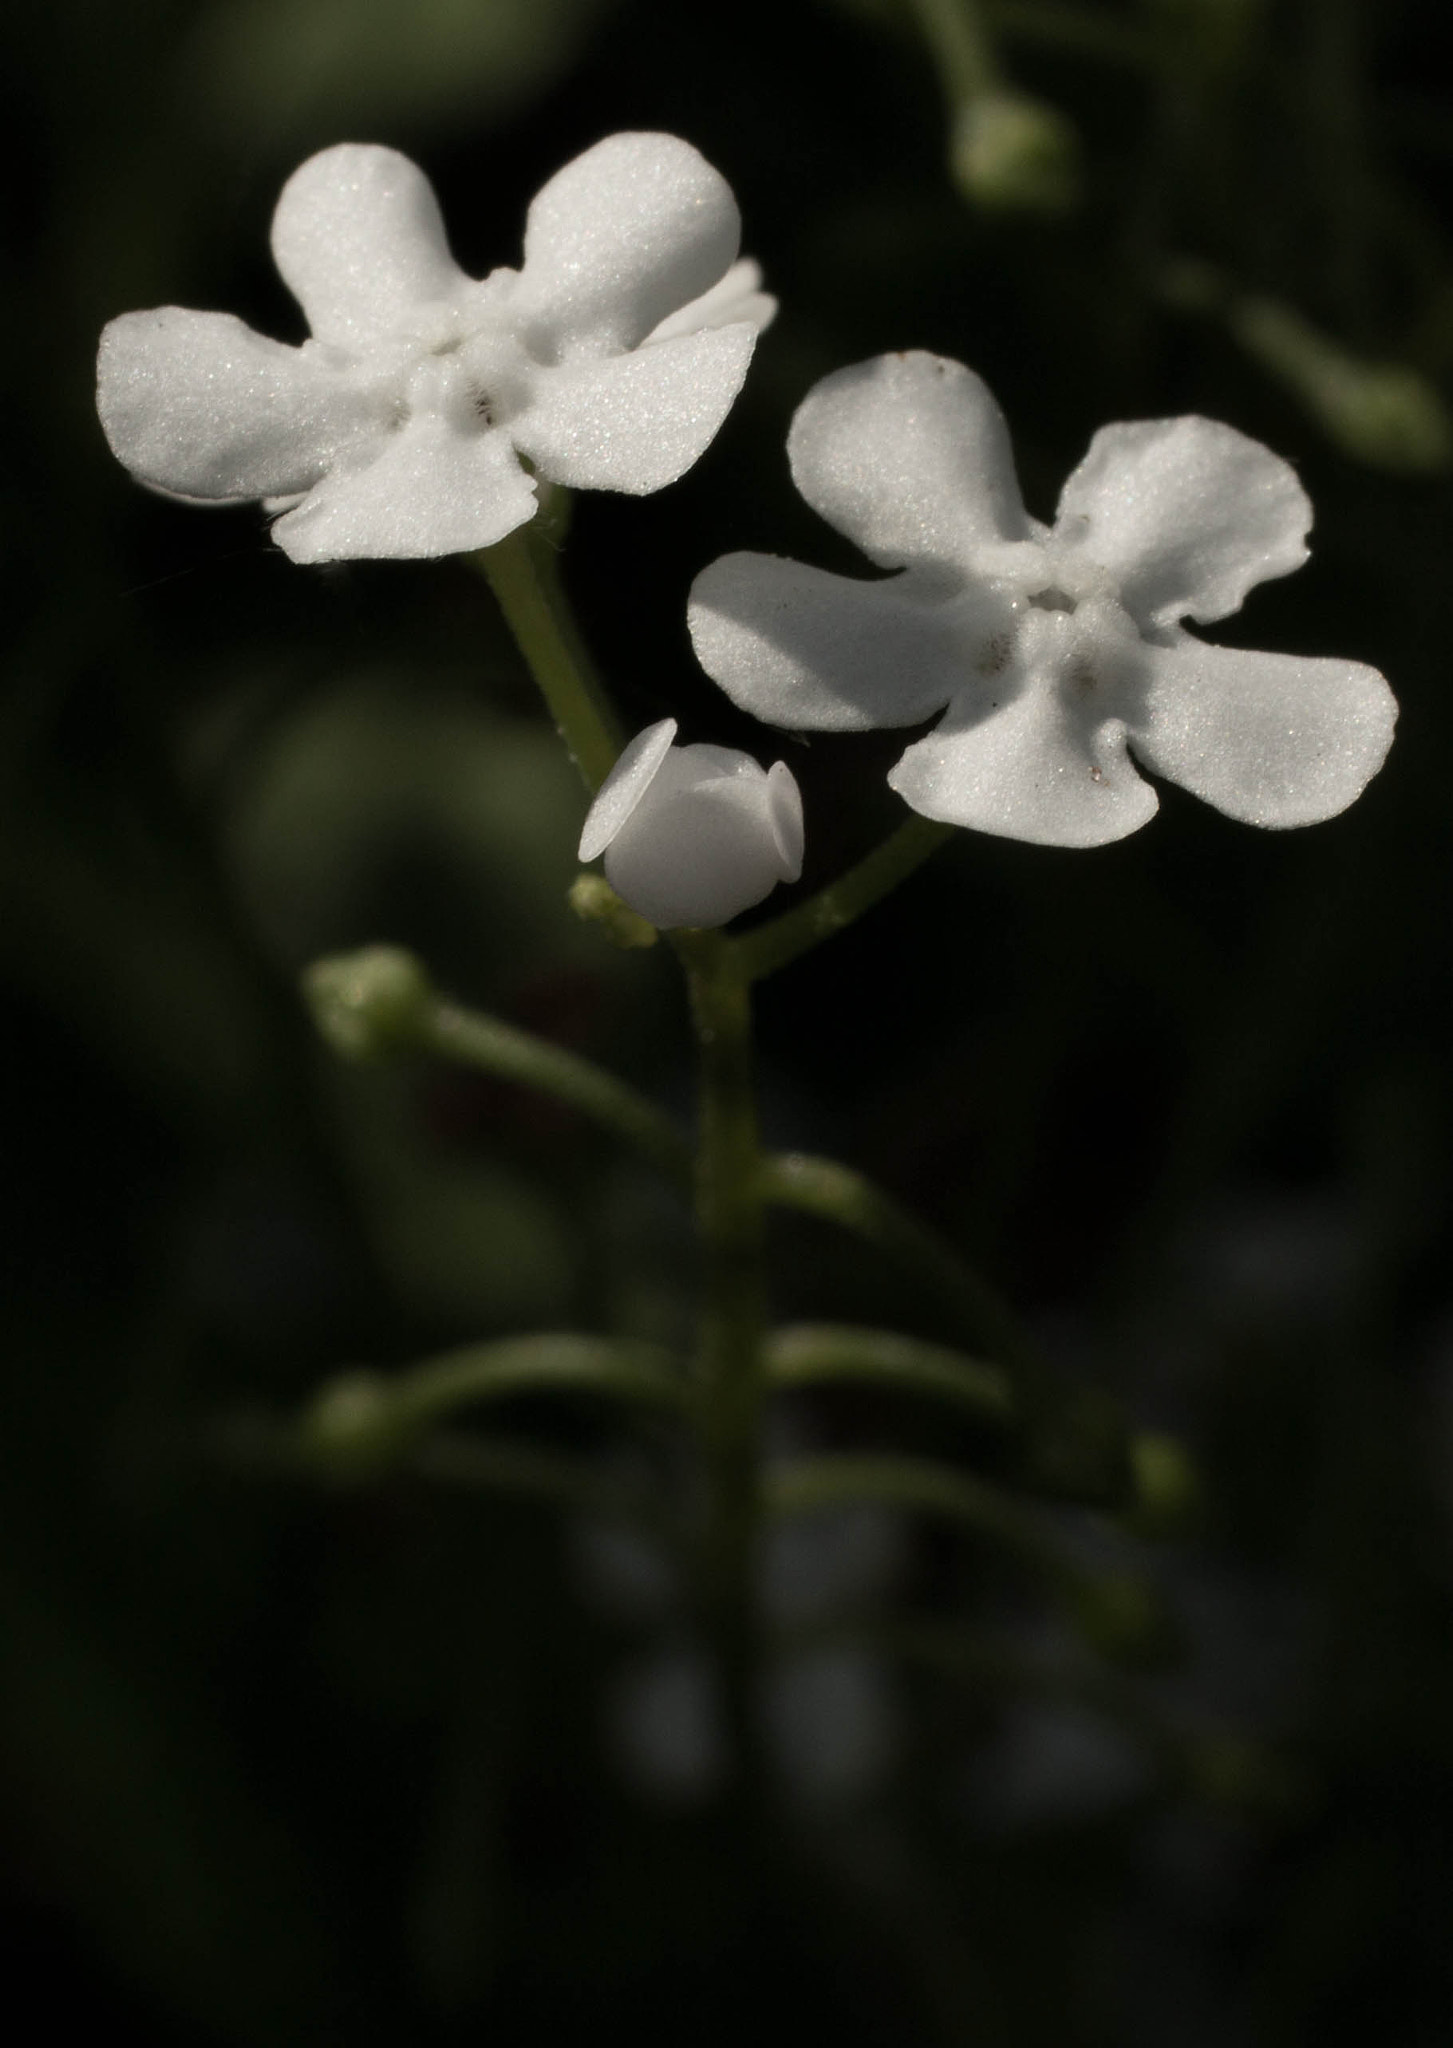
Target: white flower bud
column 693, row 835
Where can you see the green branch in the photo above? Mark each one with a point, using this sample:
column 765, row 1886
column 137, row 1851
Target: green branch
column 838, row 1194
column 962, row 46
column 364, row 1415
column 814, row 1354
column 785, row 938
column 472, row 1039
column 523, row 572
column 380, row 1001
column 1119, row 1614
column 731, row 1378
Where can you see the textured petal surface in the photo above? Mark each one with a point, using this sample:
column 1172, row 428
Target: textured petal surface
column 628, row 233
column 738, row 296
column 431, row 491
column 1272, row 739
column 624, row 787
column 1041, row 764
column 1187, row 513
column 200, row 405
column 634, row 422
column 800, row 648
column 359, row 240
column 909, row 456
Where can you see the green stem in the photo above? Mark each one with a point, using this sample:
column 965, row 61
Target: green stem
column 1066, row 29
column 813, row 1354
column 475, row 1040
column 962, row 47
column 523, row 572
column 263, row 1446
column 823, row 1187
column 786, row 938
column 524, row 1365
column 730, row 1361
column 1118, row 1614
column 363, row 1421
column 1075, row 1440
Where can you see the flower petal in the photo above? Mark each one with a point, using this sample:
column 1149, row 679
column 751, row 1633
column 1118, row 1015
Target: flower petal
column 431, row 491
column 360, row 242
column 1031, row 768
column 800, row 648
column 1188, row 513
column 784, row 810
column 624, row 787
column 634, row 422
column 909, row 456
column 199, row 405
column 737, row 296
column 625, row 235
column 1271, row 739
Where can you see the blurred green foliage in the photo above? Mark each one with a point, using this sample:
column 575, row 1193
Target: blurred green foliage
column 280, row 1767
column 289, row 67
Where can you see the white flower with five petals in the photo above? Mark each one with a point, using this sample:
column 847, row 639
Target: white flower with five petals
column 403, row 426
column 694, row 835
column 1057, row 653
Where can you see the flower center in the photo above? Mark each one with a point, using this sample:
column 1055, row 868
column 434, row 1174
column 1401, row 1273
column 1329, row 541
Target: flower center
column 470, row 380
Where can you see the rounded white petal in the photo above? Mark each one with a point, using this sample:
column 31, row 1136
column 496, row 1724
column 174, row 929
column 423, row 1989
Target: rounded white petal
column 706, row 838
column 909, row 456
column 360, row 242
column 430, row 491
column 633, row 422
column 737, row 296
column 1038, row 762
column 784, row 813
column 624, row 235
column 624, row 787
column 1271, row 739
column 800, row 648
column 201, row 406
column 1187, row 513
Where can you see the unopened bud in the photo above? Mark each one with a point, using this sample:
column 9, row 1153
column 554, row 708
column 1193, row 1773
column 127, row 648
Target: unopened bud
column 693, row 835
column 1008, row 153
column 368, row 1003
column 352, row 1429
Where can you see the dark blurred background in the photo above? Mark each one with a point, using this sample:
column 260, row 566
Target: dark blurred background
column 284, row 1764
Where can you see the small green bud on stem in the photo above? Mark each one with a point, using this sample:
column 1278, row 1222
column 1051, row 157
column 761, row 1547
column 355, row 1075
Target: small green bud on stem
column 370, row 1003
column 1012, row 154
column 352, row 1429
column 594, row 901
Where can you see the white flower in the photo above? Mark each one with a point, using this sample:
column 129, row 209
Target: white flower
column 693, row 835
column 1057, row 651
column 607, row 362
